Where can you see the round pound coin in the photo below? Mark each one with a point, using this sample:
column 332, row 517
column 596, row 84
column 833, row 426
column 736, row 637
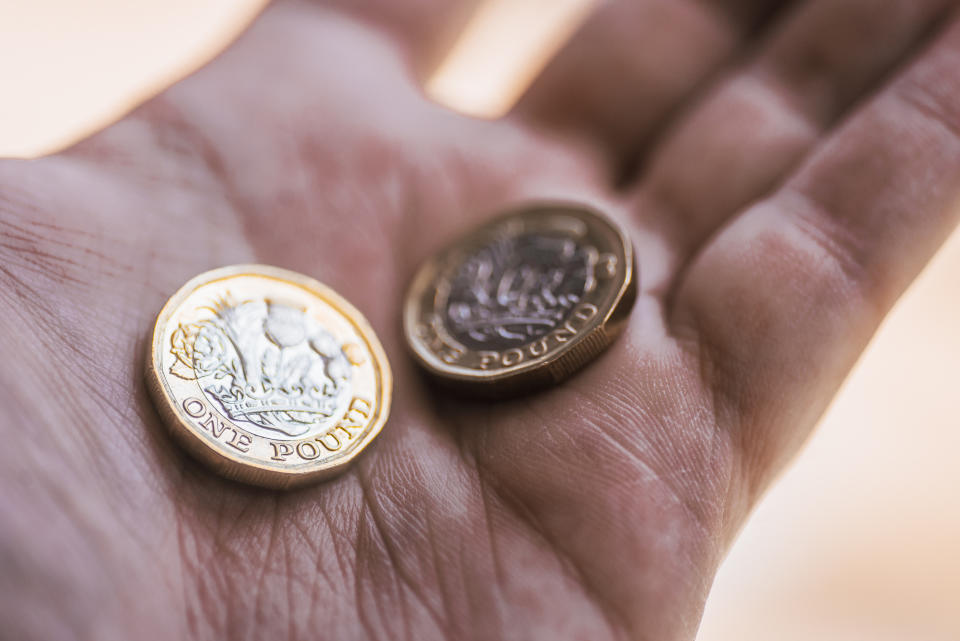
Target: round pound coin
column 523, row 301
column 267, row 376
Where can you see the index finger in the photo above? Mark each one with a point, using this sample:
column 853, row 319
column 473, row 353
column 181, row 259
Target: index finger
column 423, row 29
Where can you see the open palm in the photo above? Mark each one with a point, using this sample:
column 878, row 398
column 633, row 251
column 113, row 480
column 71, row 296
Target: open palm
column 771, row 240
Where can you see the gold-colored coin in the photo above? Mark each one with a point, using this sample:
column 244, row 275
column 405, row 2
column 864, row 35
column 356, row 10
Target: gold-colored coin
column 522, row 302
column 268, row 376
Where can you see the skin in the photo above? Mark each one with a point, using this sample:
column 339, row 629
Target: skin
column 785, row 172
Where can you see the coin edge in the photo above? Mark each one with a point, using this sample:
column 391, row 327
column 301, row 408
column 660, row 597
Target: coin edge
column 543, row 372
column 225, row 463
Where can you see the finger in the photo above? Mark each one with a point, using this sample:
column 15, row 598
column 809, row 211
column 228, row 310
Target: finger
column 632, row 63
column 784, row 299
column 424, row 29
column 760, row 122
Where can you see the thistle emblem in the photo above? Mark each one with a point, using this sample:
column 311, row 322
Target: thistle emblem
column 264, row 363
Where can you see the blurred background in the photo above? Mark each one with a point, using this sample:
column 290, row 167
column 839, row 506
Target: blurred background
column 860, row 538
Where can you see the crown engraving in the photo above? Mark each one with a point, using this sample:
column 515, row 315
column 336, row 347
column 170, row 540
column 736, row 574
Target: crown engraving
column 265, row 363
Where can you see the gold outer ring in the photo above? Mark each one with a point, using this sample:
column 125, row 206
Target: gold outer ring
column 247, row 469
column 531, row 375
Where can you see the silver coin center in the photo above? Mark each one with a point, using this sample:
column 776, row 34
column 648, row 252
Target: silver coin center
column 270, row 367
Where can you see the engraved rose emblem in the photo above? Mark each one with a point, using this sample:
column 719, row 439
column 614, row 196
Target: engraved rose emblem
column 264, row 363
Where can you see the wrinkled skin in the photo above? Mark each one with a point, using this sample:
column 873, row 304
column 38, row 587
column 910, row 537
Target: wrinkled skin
column 785, row 172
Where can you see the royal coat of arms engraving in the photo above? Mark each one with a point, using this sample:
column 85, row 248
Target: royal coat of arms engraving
column 516, row 289
column 264, row 363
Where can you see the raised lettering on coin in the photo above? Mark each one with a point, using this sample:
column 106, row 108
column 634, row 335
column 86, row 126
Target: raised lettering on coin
column 255, row 369
column 522, row 301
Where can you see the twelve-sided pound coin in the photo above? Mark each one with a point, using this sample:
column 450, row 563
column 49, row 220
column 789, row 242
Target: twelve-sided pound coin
column 522, row 302
column 267, row 376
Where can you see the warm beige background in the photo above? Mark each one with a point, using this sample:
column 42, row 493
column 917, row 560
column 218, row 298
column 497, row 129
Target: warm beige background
column 860, row 540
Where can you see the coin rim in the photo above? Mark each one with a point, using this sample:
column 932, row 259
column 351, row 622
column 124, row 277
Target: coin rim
column 483, row 378
column 224, row 462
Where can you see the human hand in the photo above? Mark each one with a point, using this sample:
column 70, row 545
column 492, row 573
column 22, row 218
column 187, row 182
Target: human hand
column 771, row 239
